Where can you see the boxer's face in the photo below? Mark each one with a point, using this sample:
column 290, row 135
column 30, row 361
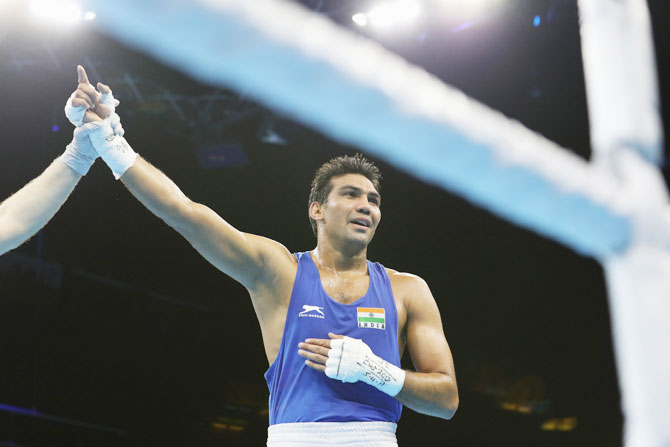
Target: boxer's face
column 352, row 211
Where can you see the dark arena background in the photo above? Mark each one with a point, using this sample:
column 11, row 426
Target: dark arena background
column 115, row 332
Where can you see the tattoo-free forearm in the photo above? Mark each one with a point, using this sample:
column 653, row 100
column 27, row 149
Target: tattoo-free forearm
column 434, row 394
column 156, row 191
column 25, row 212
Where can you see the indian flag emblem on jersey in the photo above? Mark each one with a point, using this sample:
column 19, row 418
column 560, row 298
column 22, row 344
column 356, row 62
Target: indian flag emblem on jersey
column 371, row 317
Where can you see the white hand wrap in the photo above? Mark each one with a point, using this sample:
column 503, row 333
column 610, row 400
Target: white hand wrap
column 351, row 360
column 108, row 100
column 80, row 153
column 112, row 148
column 76, row 114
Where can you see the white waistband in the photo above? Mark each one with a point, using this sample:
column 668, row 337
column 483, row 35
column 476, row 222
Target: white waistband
column 326, row 434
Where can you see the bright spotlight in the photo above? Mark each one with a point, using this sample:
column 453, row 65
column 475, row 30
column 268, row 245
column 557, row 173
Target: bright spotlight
column 408, row 9
column 6, row 4
column 11, row 11
column 468, row 9
column 396, row 12
column 360, row 19
column 383, row 15
column 89, row 15
column 59, row 12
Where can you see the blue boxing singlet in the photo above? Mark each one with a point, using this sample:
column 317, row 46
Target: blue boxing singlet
column 299, row 393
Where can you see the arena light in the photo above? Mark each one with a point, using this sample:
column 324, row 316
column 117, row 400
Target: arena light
column 59, row 12
column 360, row 19
column 5, row 5
column 398, row 12
column 468, row 8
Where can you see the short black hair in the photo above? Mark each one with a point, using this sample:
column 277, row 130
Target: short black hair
column 346, row 164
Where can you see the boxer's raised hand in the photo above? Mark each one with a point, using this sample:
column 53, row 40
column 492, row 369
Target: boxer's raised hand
column 87, row 104
column 88, row 109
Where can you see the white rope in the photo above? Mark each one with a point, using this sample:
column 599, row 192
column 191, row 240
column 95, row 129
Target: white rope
column 353, row 90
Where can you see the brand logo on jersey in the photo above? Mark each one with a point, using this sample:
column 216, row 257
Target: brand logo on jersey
column 311, row 311
column 371, row 317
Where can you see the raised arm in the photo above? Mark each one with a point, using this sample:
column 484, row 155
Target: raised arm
column 251, row 260
column 247, row 258
column 431, row 389
column 30, row 208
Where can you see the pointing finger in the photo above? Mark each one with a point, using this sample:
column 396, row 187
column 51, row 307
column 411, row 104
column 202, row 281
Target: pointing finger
column 335, row 336
column 82, row 78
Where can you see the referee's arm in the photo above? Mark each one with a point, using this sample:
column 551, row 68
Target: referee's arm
column 25, row 212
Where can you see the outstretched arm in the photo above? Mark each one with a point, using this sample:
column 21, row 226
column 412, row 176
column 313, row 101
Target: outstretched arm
column 244, row 257
column 249, row 259
column 29, row 209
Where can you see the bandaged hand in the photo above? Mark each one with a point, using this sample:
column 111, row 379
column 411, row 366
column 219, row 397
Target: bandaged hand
column 94, row 110
column 86, row 104
column 351, row 360
column 109, row 143
column 80, row 153
column 112, row 148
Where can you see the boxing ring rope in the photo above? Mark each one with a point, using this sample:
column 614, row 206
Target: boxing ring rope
column 615, row 209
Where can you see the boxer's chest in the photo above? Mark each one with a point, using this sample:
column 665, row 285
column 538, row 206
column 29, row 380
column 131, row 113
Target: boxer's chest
column 345, row 289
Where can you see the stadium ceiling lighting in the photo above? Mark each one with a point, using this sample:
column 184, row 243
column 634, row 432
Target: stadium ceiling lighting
column 59, row 12
column 6, row 4
column 468, row 8
column 360, row 19
column 389, row 14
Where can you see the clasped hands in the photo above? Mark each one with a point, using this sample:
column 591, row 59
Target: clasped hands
column 98, row 129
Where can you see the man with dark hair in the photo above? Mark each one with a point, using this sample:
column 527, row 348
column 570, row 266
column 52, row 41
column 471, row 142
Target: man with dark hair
column 321, row 185
column 334, row 324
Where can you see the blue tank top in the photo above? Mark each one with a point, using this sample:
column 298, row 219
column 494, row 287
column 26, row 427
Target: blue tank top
column 299, row 393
